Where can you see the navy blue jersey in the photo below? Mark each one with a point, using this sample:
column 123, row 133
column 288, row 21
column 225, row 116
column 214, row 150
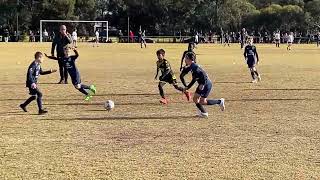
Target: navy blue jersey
column 250, row 52
column 198, row 75
column 34, row 71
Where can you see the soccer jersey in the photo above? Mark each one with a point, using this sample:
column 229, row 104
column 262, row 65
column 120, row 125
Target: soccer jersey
column 198, row 75
column 250, row 52
column 34, row 71
column 166, row 71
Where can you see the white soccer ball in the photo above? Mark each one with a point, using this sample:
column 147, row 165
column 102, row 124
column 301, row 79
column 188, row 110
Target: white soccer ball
column 109, row 105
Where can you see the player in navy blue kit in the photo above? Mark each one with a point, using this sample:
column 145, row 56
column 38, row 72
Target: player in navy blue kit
column 70, row 64
column 34, row 71
column 252, row 58
column 167, row 76
column 204, row 86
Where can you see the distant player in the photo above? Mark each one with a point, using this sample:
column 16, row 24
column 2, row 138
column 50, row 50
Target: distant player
column 290, row 41
column 74, row 38
column 318, row 39
column 70, row 63
column 252, row 58
column 143, row 39
column 191, row 46
column 277, row 38
column 243, row 37
column 227, row 39
column 167, row 76
column 34, row 71
column 97, row 34
column 204, row 86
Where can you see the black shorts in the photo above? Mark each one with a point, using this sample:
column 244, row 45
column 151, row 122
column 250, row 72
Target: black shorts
column 205, row 91
column 171, row 79
column 34, row 92
column 75, row 78
column 251, row 63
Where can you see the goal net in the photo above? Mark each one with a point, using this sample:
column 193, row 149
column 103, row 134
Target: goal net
column 85, row 29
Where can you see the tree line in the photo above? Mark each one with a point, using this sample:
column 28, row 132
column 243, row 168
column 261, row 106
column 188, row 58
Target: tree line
column 168, row 17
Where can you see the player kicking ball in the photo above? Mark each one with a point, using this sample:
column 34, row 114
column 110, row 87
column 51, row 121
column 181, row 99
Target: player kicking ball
column 204, row 86
column 167, row 76
column 70, row 63
column 34, row 71
column 252, row 59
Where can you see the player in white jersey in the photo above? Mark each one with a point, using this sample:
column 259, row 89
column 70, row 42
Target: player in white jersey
column 277, row 38
column 74, row 38
column 97, row 39
column 290, row 40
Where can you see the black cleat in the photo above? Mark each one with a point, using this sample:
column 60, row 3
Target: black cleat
column 41, row 112
column 65, row 82
column 60, row 82
column 23, row 107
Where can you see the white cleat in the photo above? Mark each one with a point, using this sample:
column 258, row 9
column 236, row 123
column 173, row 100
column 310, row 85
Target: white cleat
column 222, row 105
column 202, row 115
column 259, row 78
column 254, row 81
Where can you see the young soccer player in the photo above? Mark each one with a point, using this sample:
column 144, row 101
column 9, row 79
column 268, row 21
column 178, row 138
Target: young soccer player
column 190, row 49
column 70, row 63
column 318, row 39
column 277, row 38
column 290, row 41
column 167, row 76
column 252, row 58
column 34, row 71
column 96, row 42
column 204, row 86
column 143, row 39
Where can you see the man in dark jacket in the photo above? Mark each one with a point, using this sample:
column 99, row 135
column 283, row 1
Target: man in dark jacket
column 60, row 41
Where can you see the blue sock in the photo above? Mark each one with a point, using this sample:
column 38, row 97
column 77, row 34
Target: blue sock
column 213, row 102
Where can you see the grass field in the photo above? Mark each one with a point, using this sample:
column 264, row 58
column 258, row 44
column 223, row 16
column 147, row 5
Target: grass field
column 269, row 130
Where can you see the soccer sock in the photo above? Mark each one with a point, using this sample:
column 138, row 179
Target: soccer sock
column 256, row 72
column 201, row 108
column 252, row 74
column 178, row 88
column 85, row 86
column 213, row 102
column 28, row 101
column 39, row 102
column 161, row 91
column 83, row 91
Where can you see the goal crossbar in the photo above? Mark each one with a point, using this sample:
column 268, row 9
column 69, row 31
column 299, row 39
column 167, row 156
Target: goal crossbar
column 70, row 21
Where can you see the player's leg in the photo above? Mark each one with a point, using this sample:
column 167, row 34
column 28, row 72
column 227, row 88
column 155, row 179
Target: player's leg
column 145, row 44
column 61, row 71
column 181, row 89
column 163, row 99
column 256, row 73
column 252, row 74
column 33, row 97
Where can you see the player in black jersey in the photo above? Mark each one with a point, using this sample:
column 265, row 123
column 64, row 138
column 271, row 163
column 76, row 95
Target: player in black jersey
column 252, row 58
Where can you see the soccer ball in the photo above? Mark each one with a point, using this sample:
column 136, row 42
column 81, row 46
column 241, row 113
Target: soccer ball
column 109, row 105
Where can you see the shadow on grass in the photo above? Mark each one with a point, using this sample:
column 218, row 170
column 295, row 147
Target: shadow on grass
column 232, row 82
column 119, row 118
column 285, row 89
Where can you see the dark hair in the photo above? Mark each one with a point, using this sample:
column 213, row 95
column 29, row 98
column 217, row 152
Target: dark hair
column 161, row 51
column 37, row 55
column 191, row 55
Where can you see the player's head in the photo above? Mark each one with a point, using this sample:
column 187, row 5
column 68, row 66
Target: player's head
column 66, row 51
column 63, row 29
column 38, row 56
column 250, row 40
column 189, row 58
column 160, row 54
column 190, row 46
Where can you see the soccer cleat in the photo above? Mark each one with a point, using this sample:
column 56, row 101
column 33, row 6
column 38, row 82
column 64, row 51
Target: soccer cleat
column 23, row 107
column 188, row 95
column 60, row 82
column 93, row 89
column 222, row 105
column 66, row 82
column 88, row 97
column 254, row 81
column 41, row 112
column 202, row 115
column 259, row 78
column 163, row 101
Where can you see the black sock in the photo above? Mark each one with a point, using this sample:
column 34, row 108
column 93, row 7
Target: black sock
column 252, row 74
column 161, row 91
column 83, row 91
column 85, row 86
column 201, row 108
column 256, row 72
column 213, row 102
column 28, row 101
column 178, row 88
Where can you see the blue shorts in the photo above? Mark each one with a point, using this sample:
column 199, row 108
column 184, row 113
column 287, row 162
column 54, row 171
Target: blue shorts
column 251, row 63
column 204, row 93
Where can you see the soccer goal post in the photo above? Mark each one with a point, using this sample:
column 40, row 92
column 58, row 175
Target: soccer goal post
column 97, row 24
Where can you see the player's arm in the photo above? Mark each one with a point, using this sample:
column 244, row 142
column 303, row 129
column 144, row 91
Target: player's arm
column 184, row 73
column 157, row 72
column 47, row 72
column 51, row 57
column 194, row 80
column 182, row 60
column 256, row 53
column 54, row 43
column 31, row 78
column 76, row 53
